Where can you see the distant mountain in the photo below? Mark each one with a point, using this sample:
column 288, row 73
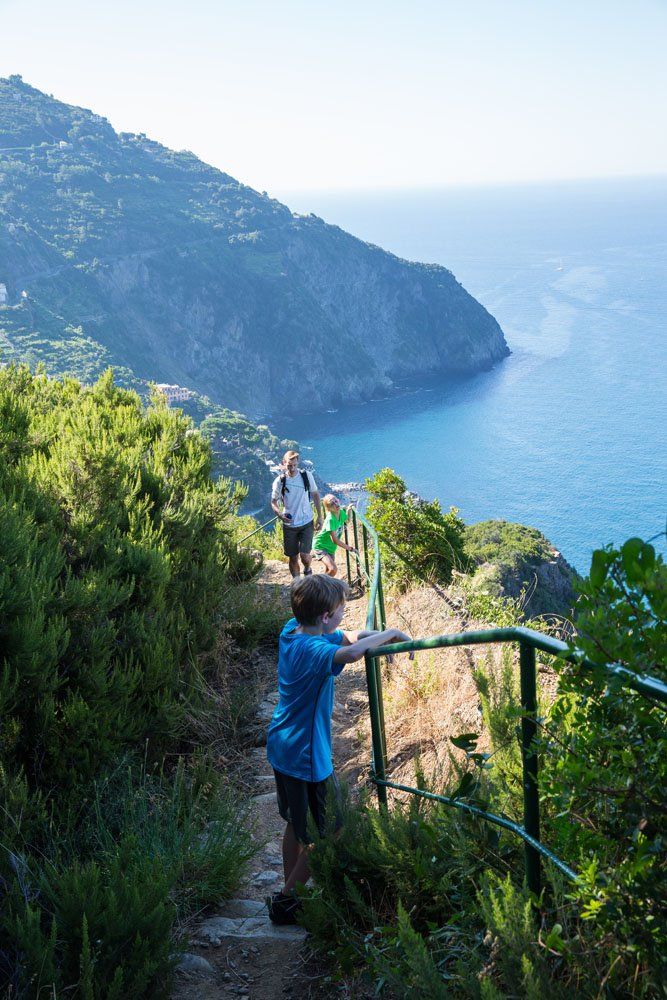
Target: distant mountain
column 116, row 250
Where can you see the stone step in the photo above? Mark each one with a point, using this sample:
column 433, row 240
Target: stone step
column 265, row 780
column 265, row 711
column 265, row 798
column 244, row 918
column 265, row 878
column 194, row 965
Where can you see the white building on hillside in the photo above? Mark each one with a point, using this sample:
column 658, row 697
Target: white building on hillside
column 173, row 393
column 3, row 294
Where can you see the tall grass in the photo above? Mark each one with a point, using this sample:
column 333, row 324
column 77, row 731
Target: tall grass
column 104, row 907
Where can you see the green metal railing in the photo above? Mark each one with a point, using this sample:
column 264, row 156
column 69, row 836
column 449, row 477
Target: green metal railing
column 260, row 527
column 529, row 641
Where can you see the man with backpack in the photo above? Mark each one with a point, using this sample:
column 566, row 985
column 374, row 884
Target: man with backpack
column 291, row 500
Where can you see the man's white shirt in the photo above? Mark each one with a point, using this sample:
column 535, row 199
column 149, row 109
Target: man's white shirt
column 295, row 499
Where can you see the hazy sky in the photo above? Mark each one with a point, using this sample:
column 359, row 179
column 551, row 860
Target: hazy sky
column 300, row 94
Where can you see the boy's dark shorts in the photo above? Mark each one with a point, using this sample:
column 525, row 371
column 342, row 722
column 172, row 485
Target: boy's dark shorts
column 296, row 798
column 296, row 540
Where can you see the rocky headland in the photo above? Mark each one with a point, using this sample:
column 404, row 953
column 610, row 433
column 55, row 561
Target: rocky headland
column 516, row 561
column 115, row 250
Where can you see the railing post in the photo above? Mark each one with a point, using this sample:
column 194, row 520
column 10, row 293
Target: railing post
column 355, row 528
column 364, row 535
column 374, row 703
column 347, row 554
column 531, row 793
column 383, row 735
column 383, row 619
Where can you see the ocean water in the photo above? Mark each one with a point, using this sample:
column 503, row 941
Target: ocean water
column 569, row 434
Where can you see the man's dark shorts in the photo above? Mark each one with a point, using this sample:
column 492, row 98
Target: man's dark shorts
column 297, row 540
column 296, row 798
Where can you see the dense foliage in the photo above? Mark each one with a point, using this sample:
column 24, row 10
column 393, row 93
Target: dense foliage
column 505, row 542
column 607, row 782
column 117, row 549
column 432, row 902
column 417, row 540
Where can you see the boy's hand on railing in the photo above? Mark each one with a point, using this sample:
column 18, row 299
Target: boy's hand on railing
column 396, row 636
column 399, row 636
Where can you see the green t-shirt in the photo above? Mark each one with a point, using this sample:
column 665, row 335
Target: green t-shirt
column 323, row 540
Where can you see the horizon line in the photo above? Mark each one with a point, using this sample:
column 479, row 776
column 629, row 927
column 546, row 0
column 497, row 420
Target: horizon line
column 471, row 185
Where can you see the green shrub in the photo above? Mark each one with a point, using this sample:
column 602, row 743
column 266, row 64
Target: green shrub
column 505, row 542
column 140, row 855
column 607, row 790
column 117, row 548
column 187, row 819
column 432, row 903
column 103, row 925
column 417, row 541
column 422, row 856
column 117, row 552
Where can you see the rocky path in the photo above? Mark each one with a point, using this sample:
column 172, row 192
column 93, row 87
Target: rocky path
column 236, row 951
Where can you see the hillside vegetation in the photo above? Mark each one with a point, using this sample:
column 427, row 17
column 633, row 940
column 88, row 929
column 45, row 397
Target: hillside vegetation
column 425, row 900
column 516, row 561
column 123, row 600
column 116, row 250
column 510, row 564
column 119, row 579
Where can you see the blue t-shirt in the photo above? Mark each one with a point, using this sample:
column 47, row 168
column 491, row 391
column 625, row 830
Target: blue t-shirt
column 299, row 736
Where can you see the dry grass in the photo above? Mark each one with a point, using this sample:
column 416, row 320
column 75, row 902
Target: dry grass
column 434, row 696
column 224, row 696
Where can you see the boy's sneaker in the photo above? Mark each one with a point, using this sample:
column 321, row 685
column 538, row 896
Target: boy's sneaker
column 283, row 909
column 307, row 572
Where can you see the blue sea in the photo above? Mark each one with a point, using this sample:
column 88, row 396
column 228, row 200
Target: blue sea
column 568, row 434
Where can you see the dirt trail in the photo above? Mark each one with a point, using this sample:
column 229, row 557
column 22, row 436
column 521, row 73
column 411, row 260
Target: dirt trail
column 236, row 951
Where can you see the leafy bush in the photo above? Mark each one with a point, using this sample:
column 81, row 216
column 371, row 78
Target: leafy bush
column 608, row 789
column 102, row 907
column 432, row 903
column 118, row 548
column 516, row 561
column 417, row 540
column 105, row 927
column 429, row 901
column 505, row 542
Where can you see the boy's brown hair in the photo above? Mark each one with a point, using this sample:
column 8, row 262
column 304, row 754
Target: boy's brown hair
column 314, row 595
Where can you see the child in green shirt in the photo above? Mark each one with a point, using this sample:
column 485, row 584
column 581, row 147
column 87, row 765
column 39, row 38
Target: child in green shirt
column 328, row 539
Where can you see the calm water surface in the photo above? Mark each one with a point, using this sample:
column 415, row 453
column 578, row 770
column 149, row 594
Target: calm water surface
column 569, row 434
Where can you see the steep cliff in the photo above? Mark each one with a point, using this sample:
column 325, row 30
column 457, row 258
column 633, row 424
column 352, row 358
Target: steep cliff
column 512, row 559
column 116, row 250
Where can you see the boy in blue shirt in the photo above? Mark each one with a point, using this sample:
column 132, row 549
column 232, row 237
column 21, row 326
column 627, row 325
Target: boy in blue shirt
column 312, row 650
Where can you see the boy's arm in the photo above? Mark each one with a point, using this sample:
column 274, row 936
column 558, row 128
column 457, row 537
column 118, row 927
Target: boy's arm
column 371, row 640
column 350, row 637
